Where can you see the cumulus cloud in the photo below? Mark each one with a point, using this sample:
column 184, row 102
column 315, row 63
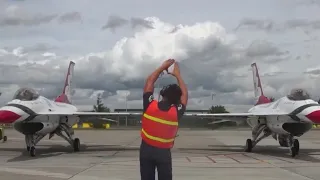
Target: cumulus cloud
column 211, row 60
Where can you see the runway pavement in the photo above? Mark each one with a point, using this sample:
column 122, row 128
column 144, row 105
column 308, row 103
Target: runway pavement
column 198, row 154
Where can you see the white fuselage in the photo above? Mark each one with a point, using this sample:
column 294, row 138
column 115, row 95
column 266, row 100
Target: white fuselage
column 296, row 111
column 29, row 122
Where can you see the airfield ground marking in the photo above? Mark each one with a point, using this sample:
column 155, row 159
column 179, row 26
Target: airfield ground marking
column 283, row 160
column 211, row 159
column 287, row 161
column 228, row 156
column 255, row 158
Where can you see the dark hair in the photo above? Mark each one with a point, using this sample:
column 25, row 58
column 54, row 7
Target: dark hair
column 172, row 93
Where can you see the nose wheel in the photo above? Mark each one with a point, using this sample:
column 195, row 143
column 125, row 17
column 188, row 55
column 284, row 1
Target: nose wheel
column 2, row 136
column 294, row 150
column 32, row 151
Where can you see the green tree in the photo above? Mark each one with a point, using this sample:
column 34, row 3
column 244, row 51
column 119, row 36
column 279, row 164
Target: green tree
column 99, row 107
column 218, row 109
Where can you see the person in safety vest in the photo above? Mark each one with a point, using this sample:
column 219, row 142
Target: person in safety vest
column 160, row 123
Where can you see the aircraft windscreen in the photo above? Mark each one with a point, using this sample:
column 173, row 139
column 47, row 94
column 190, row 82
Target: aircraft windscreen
column 26, row 94
column 298, row 95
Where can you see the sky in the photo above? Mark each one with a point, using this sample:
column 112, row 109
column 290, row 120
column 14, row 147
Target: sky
column 117, row 44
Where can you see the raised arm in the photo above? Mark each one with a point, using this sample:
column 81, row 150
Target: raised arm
column 183, row 87
column 184, row 90
column 152, row 78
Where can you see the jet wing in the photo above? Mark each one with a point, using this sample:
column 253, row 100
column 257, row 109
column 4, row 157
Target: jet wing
column 93, row 114
column 220, row 121
column 235, row 116
column 106, row 114
column 239, row 115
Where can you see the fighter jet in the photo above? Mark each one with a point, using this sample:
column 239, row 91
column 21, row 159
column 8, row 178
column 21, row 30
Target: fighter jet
column 36, row 116
column 284, row 119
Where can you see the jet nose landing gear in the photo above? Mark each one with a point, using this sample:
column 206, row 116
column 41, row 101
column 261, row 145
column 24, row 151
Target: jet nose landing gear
column 2, row 136
column 249, row 146
column 294, row 147
column 76, row 145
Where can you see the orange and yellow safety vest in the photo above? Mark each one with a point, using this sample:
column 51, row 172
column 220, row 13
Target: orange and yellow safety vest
column 159, row 128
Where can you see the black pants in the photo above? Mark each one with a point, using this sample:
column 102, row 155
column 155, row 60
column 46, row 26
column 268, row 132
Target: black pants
column 152, row 158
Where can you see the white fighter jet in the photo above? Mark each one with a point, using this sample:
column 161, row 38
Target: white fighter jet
column 284, row 119
column 36, row 116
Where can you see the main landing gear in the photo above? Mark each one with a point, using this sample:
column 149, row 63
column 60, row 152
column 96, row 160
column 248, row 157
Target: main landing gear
column 289, row 141
column 256, row 132
column 32, row 140
column 294, row 146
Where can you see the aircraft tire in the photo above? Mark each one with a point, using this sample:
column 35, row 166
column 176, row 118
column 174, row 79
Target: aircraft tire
column 296, row 145
column 32, row 151
column 248, row 145
column 293, row 151
column 76, row 144
column 5, row 138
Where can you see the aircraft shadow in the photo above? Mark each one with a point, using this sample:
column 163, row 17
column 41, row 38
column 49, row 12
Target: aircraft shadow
column 273, row 151
column 55, row 150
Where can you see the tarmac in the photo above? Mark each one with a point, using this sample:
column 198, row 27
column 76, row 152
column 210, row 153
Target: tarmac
column 198, row 154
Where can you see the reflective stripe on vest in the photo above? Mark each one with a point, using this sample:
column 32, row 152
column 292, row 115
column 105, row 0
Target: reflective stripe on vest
column 156, row 138
column 172, row 123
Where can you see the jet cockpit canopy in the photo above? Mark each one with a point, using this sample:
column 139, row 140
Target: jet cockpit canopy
column 26, row 94
column 298, row 94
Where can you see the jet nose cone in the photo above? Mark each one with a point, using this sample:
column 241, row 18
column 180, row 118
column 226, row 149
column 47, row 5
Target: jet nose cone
column 314, row 116
column 8, row 116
